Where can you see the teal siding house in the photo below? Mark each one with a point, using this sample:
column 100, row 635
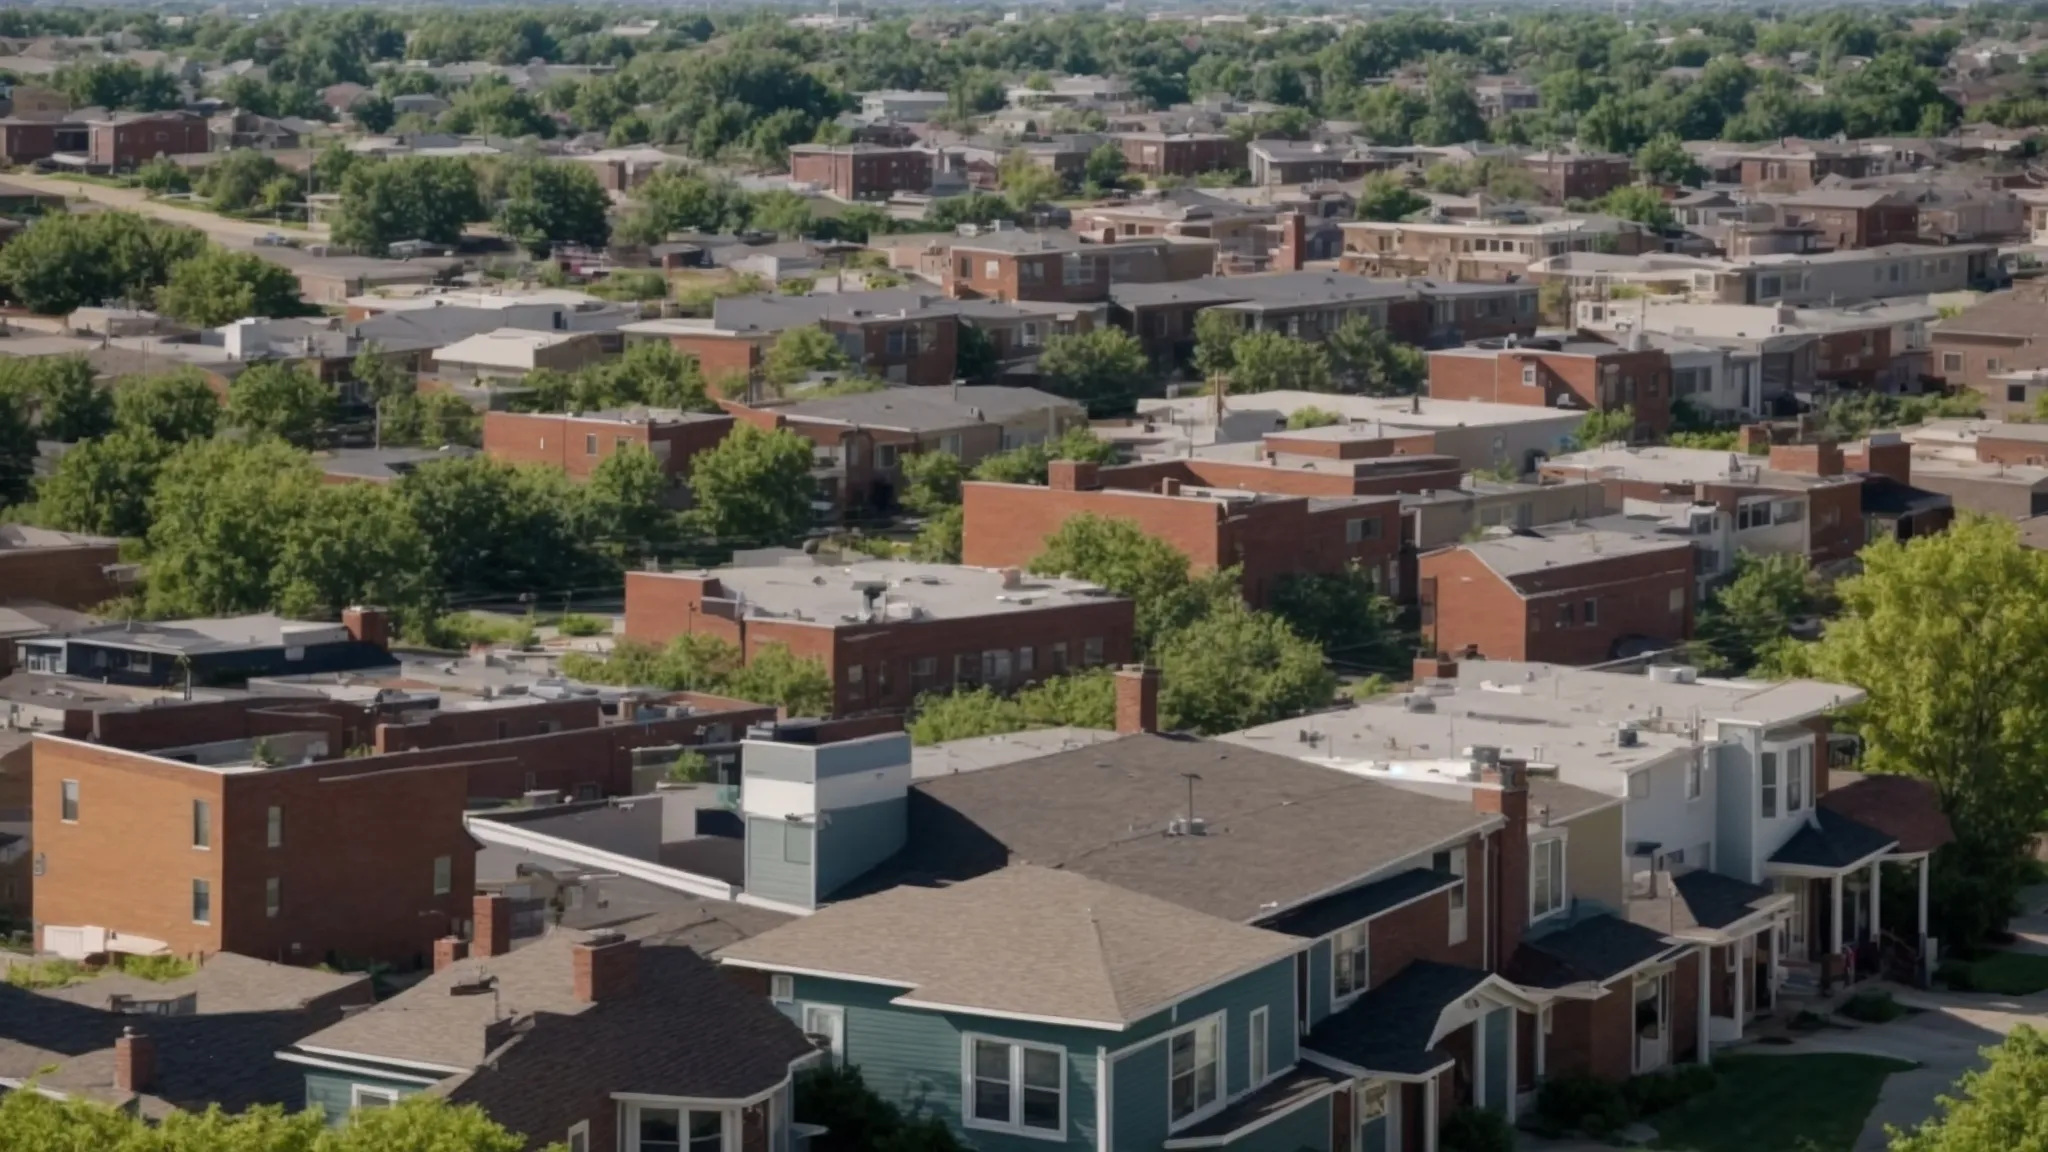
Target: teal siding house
column 1030, row 1007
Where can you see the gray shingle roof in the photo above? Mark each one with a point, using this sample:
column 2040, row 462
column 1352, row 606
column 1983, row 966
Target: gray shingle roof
column 1831, row 840
column 1700, row 900
column 1022, row 940
column 1389, row 1028
column 1595, row 949
column 1279, row 831
column 1347, row 908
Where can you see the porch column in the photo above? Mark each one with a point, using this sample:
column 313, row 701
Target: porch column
column 1542, row 1039
column 1737, row 1006
column 1479, row 1062
column 1514, row 1061
column 1835, row 920
column 1876, row 875
column 1429, row 1112
column 1926, row 865
column 1706, row 1007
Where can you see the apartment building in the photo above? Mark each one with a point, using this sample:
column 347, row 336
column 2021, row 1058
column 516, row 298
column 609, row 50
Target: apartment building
column 1440, row 517
column 898, row 104
column 1006, row 264
column 902, row 336
column 1565, row 595
column 126, row 140
column 1809, row 279
column 66, row 569
column 1498, row 248
column 1185, row 154
column 506, row 356
column 1279, row 162
column 579, row 442
column 888, row 631
column 1583, row 372
column 1269, row 536
column 1997, row 348
column 27, row 137
column 1984, row 466
column 1797, row 165
column 1779, row 350
column 1853, row 217
column 302, row 863
column 1567, row 176
column 861, row 171
column 218, row 650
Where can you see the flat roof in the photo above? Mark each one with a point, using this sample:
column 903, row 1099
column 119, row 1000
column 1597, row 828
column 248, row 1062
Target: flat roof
column 1519, row 553
column 1400, row 412
column 782, row 583
column 27, row 537
column 1690, row 466
column 1553, row 694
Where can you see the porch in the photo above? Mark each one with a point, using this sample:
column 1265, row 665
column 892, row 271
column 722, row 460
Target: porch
column 1619, row 999
column 1833, row 869
column 1736, row 925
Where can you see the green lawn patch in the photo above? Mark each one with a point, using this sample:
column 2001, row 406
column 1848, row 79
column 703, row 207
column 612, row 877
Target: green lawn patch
column 2002, row 973
column 1815, row 1103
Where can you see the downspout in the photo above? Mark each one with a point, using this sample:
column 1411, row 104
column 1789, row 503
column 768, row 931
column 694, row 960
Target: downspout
column 1486, row 921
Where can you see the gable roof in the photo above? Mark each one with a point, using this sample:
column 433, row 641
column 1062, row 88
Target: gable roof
column 1021, row 941
column 1595, row 949
column 1702, row 900
column 1390, row 1027
column 1902, row 807
column 1279, row 831
column 1833, row 841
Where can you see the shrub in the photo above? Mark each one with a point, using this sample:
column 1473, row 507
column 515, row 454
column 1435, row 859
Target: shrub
column 577, row 624
column 1582, row 1103
column 1872, row 1008
column 1476, row 1130
column 1956, row 975
column 1649, row 1095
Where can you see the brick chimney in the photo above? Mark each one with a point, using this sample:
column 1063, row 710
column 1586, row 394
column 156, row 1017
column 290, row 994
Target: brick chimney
column 1072, row 476
column 1821, row 458
column 368, row 625
column 492, row 935
column 1293, row 243
column 1753, row 437
column 1434, row 668
column 1137, row 699
column 1883, row 453
column 450, row 950
column 134, row 1061
column 606, row 967
column 1503, row 790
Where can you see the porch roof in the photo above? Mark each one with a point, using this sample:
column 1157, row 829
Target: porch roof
column 1832, row 842
column 1595, row 949
column 1902, row 807
column 1344, row 909
column 1700, row 899
column 1389, row 1029
column 1297, row 1089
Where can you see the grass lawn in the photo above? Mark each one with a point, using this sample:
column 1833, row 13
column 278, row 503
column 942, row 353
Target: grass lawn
column 2006, row 973
column 1813, row 1103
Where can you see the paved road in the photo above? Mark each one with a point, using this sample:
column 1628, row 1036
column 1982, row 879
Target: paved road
column 225, row 232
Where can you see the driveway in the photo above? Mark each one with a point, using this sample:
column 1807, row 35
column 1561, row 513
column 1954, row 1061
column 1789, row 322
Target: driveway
column 223, row 231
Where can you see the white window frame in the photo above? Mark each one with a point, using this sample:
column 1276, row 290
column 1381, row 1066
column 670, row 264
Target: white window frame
column 68, row 793
column 1556, row 866
column 1220, row 1021
column 1696, row 773
column 1797, row 761
column 782, row 988
column 1353, row 943
column 444, row 875
column 1258, row 1046
column 630, row 1139
column 835, row 1052
column 1767, row 776
column 357, row 1093
column 202, row 825
column 1457, row 897
column 200, row 883
column 579, row 1137
column 1015, row 1126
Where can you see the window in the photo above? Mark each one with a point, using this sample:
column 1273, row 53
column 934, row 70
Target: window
column 579, row 1137
column 364, row 1096
column 1358, row 530
column 1788, row 512
column 202, row 902
column 444, row 874
column 590, row 444
column 796, row 844
column 1025, row 660
column 950, row 444
column 273, row 897
column 202, row 824
column 138, row 661
column 1753, row 514
column 1453, row 863
column 991, row 269
column 1546, row 878
column 1256, row 1026
column 676, row 1130
column 827, row 1024
column 856, row 680
column 2016, row 393
column 1195, row 1069
column 885, row 455
column 1796, row 761
column 1951, row 362
column 995, row 666
column 1696, row 774
column 1372, row 1101
column 1592, row 613
column 1677, row 600
column 1991, row 364
column 1564, row 615
column 274, row 831
column 1059, row 657
column 1091, row 651
column 782, row 988
column 1767, row 778
column 1016, row 1087
column 1350, row 961
column 70, row 805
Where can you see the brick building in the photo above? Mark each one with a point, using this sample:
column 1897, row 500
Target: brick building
column 1854, row 217
column 577, row 443
column 128, row 140
column 68, row 569
column 1566, row 596
column 1578, row 175
column 1998, row 348
column 222, row 650
column 1498, row 248
column 1270, row 536
column 903, row 336
column 888, row 631
column 861, row 171
column 1796, row 165
column 1584, row 372
column 1007, row 264
column 1179, row 153
column 301, row 864
column 26, row 138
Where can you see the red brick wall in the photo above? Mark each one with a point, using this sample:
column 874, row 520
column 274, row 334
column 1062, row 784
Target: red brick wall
column 563, row 441
column 934, row 362
column 722, row 358
column 1595, row 1038
column 1469, row 606
column 1006, row 525
column 440, row 729
column 2000, row 450
column 1835, row 522
column 174, row 724
column 67, row 577
column 134, row 143
column 1519, row 621
column 1422, row 930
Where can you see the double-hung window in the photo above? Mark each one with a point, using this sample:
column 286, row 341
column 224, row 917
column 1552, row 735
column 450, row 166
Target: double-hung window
column 1350, row 961
column 1796, row 762
column 1256, row 1041
column 1546, row 878
column 1453, row 862
column 1696, row 773
column 677, row 1130
column 1767, row 779
column 1016, row 1087
column 1195, row 1069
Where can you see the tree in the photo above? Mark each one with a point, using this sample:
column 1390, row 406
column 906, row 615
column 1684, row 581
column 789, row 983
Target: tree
column 354, row 544
column 651, row 372
column 1640, row 204
column 1103, row 368
column 172, row 407
column 62, row 262
column 1996, row 1108
column 1312, row 417
column 373, row 113
column 798, row 352
column 69, row 403
column 500, row 527
column 676, row 202
column 975, row 358
column 627, row 499
column 773, row 674
column 420, row 198
column 1030, row 463
column 1105, row 166
column 220, row 287
column 1274, row 362
column 1756, row 609
column 1121, row 557
column 754, row 485
column 1607, row 426
column 17, row 451
column 1027, row 183
column 103, row 486
column 550, row 202
column 1080, row 700
column 1664, row 160
column 215, row 515
column 33, row 1122
column 1233, row 668
column 281, row 400
column 1948, row 637
column 1216, row 335
column 1363, row 358
column 235, row 182
column 1387, row 198
column 1345, row 614
column 942, row 539
column 931, row 482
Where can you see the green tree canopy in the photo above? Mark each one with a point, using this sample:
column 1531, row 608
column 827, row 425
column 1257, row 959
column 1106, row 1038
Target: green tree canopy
column 1080, row 700
column 2001, row 1107
column 281, row 400
column 1027, row 183
column 499, row 527
column 235, row 181
column 1664, row 160
column 419, row 198
column 17, row 450
column 1121, row 557
column 1607, row 426
column 1312, row 417
column 354, row 544
column 1105, row 166
column 172, row 406
column 69, row 403
column 931, row 482
column 63, row 262
column 1234, row 668
column 1030, row 463
column 33, row 1122
column 215, row 518
column 1755, row 610
column 1387, row 198
column 1363, row 358
column 543, row 203
column 1638, row 203
column 219, row 287
column 1103, row 368
column 1273, row 362
column 754, row 485
column 103, row 486
column 1346, row 615
column 627, row 504
column 800, row 351
column 694, row 663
